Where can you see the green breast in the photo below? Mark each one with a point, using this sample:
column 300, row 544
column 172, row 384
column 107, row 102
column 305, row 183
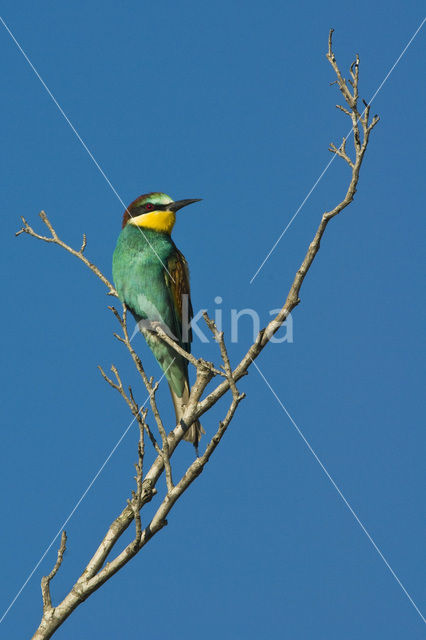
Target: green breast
column 138, row 269
column 138, row 272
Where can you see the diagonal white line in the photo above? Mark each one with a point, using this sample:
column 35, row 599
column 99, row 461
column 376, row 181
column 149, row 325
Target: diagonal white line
column 398, row 59
column 339, row 492
column 350, row 132
column 293, row 217
column 79, row 138
column 79, row 501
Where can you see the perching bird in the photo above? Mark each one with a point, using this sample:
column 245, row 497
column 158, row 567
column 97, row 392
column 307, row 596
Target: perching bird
column 152, row 278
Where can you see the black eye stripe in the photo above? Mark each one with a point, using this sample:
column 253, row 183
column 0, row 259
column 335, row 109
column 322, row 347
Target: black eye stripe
column 143, row 208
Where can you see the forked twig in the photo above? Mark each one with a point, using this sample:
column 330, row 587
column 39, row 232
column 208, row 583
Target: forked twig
column 45, row 581
column 55, row 239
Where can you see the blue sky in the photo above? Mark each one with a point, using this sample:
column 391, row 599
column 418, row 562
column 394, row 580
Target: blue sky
column 230, row 102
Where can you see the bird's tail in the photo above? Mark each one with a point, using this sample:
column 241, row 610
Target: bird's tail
column 195, row 431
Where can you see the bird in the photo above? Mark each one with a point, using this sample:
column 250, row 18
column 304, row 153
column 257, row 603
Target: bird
column 151, row 277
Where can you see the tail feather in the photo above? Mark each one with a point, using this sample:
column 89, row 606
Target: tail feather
column 195, row 431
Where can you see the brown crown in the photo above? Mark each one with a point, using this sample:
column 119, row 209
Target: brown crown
column 128, row 212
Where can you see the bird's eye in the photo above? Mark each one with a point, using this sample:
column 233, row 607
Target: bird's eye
column 149, row 206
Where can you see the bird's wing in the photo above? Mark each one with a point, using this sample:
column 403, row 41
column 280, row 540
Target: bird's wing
column 180, row 298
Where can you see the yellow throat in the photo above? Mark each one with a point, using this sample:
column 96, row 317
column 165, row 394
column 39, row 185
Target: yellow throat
column 162, row 221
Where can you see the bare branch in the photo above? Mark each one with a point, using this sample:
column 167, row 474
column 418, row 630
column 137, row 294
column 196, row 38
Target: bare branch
column 340, row 80
column 293, row 299
column 137, row 411
column 54, row 238
column 143, row 423
column 129, row 399
column 45, row 581
column 339, row 106
column 151, row 392
column 118, row 387
column 136, row 501
column 218, row 336
column 196, row 468
column 185, row 354
column 341, row 152
column 165, row 450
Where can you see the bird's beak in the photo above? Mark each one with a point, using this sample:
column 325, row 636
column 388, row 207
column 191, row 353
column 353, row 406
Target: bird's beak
column 175, row 206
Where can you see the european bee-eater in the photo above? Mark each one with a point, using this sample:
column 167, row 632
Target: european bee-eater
column 152, row 278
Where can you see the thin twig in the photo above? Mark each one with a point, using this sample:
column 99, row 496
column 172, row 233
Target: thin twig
column 45, row 581
column 54, row 238
column 219, row 337
column 151, row 391
column 185, row 354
